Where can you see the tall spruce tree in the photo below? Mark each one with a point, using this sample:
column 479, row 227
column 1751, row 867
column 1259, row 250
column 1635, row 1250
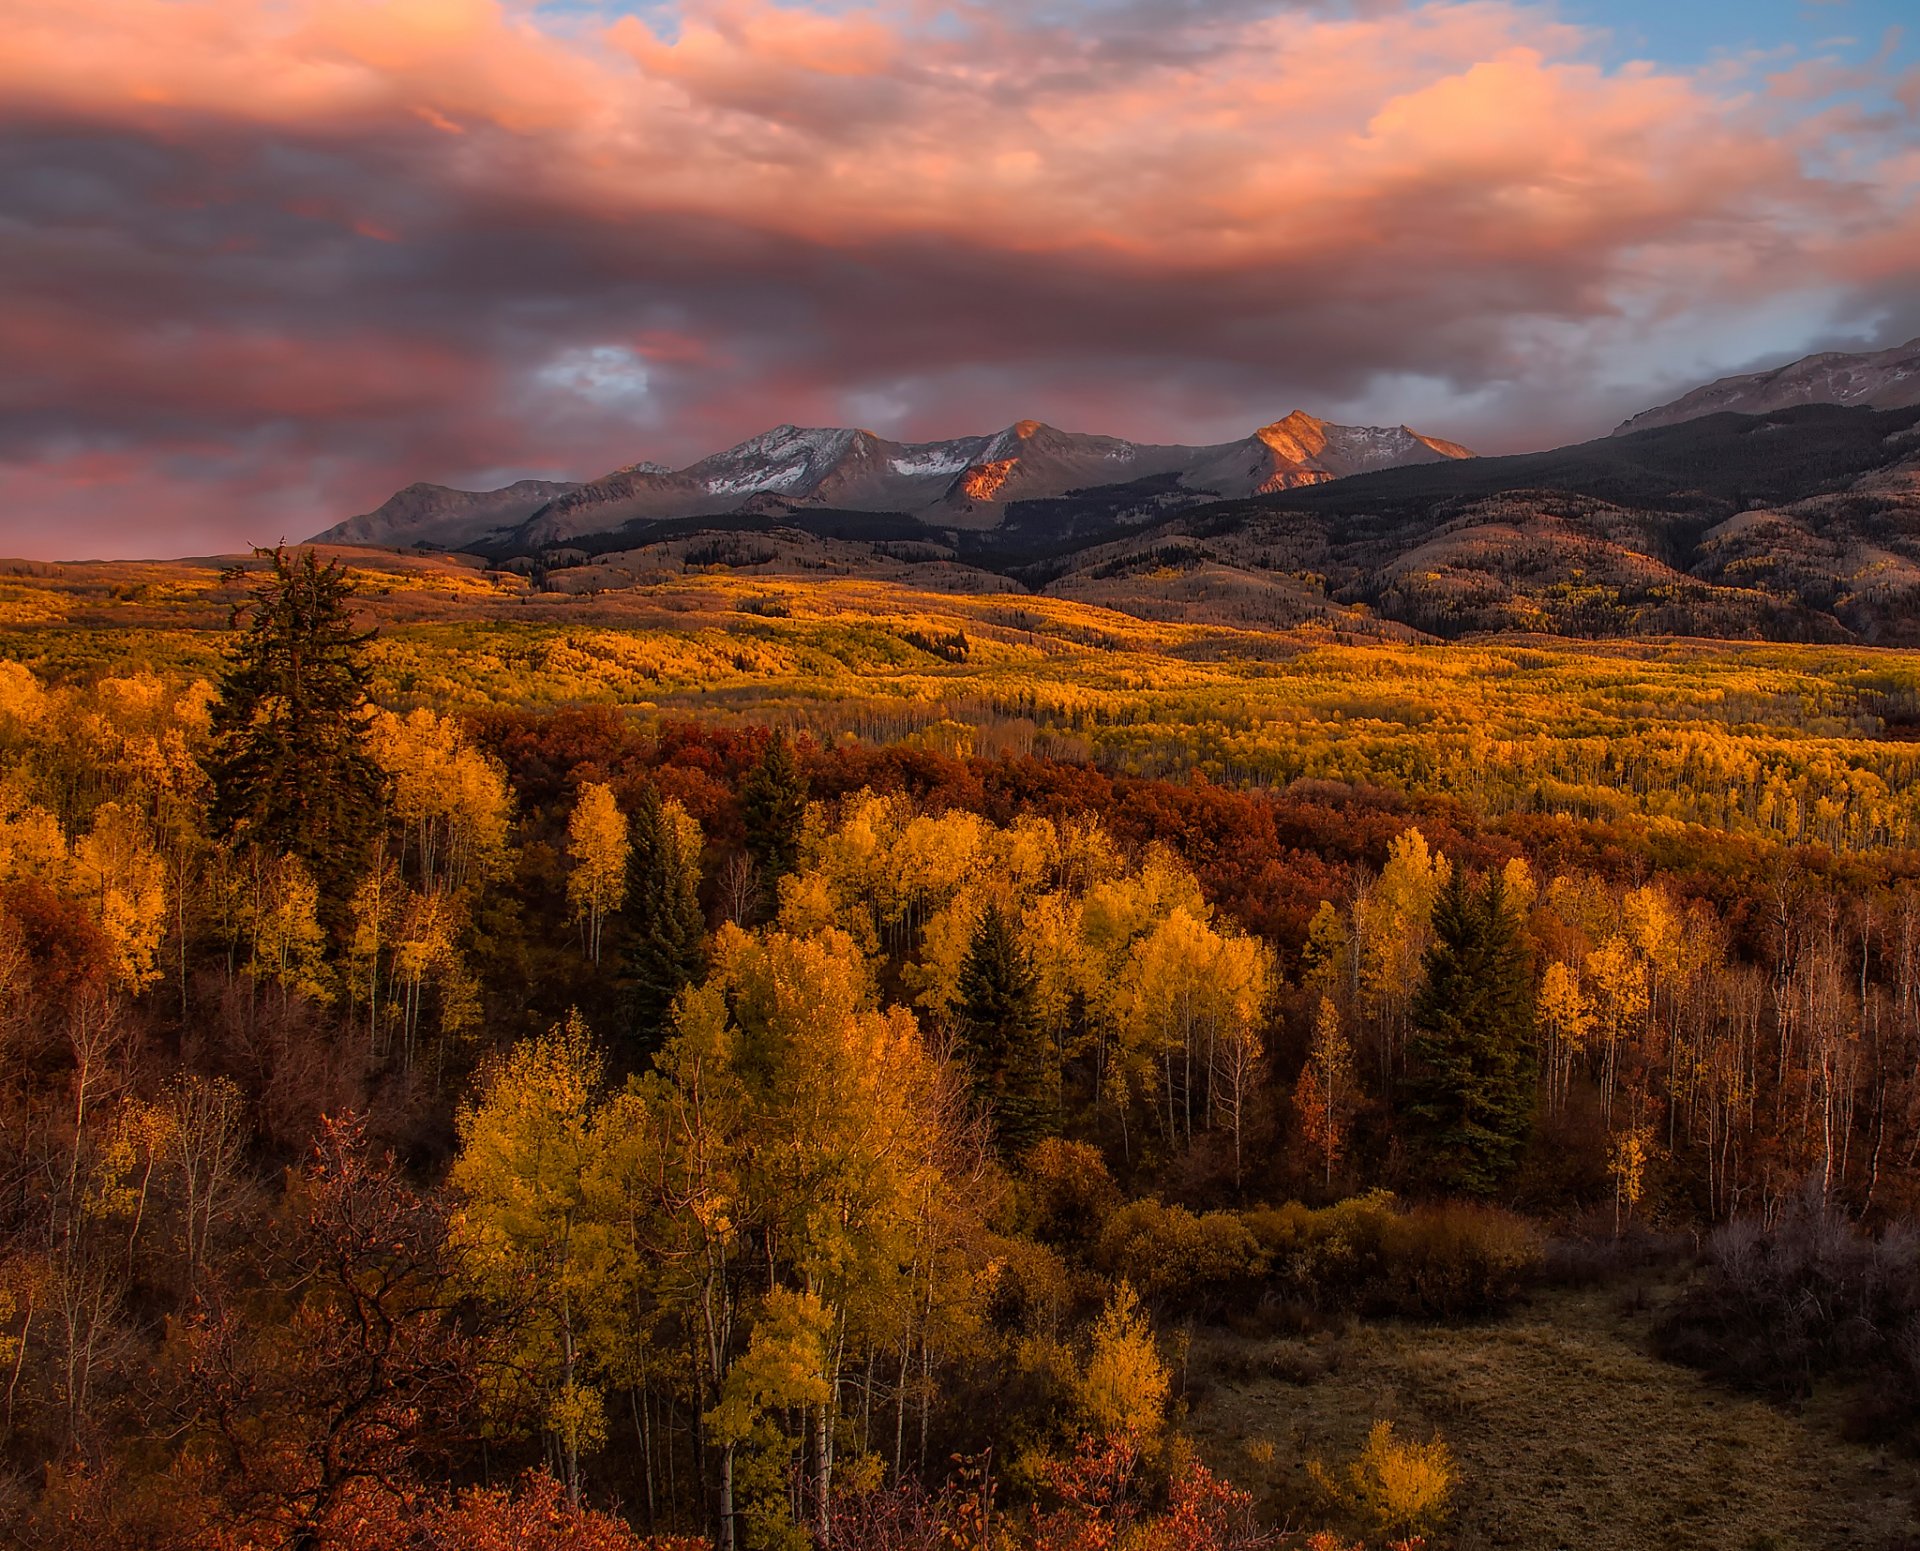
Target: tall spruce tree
column 290, row 766
column 1471, row 1088
column 773, row 804
column 666, row 946
column 1010, row 1054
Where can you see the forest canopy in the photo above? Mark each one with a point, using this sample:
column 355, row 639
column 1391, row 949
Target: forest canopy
column 438, row 1115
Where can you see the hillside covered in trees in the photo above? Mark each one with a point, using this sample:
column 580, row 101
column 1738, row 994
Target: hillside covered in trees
column 817, row 1065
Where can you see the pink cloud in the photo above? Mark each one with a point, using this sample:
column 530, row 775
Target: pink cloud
column 352, row 239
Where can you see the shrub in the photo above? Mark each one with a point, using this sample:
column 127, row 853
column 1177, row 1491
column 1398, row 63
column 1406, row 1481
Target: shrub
column 1455, row 1260
column 1396, row 1488
column 1816, row 1297
column 1067, row 1191
column 1445, row 1261
column 1177, row 1258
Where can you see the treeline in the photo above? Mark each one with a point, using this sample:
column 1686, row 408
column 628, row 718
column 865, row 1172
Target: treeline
column 785, row 1143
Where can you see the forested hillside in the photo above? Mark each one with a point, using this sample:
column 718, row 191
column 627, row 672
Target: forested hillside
column 818, row 1065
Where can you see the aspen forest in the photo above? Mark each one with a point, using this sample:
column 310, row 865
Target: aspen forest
column 883, row 1075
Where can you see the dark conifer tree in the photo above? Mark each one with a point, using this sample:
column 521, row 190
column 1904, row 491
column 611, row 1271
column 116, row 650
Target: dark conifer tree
column 1009, row 1053
column 666, row 943
column 289, row 763
column 1471, row 1088
column 773, row 803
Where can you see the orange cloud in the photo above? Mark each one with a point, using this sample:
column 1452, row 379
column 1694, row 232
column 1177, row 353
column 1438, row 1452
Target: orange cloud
column 1207, row 213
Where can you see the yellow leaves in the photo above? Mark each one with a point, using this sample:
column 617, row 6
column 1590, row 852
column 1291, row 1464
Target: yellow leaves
column 1396, row 917
column 841, row 1095
column 944, row 945
column 451, row 799
column 1413, row 877
column 117, row 869
column 1122, row 1393
column 525, row 1143
column 1187, row 978
column 279, row 908
column 1400, row 1488
column 1119, row 910
column 597, row 844
column 1324, row 960
column 1517, row 881
column 1618, row 976
column 1627, row 1163
column 683, row 829
column 1052, row 930
column 1653, row 925
column 577, row 1417
column 533, row 1151
column 32, row 844
column 22, row 700
column 1564, row 1010
column 786, row 1364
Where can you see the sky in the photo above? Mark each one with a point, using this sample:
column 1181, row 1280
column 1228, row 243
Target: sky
column 263, row 262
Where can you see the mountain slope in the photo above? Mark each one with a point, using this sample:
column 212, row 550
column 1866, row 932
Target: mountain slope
column 1883, row 379
column 442, row 518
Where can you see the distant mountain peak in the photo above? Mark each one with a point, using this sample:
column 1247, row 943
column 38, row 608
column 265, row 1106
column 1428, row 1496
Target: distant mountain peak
column 1874, row 379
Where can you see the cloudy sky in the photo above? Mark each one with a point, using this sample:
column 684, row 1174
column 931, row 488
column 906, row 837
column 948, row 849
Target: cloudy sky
column 264, row 261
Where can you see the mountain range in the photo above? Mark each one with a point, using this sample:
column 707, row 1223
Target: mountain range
column 1781, row 505
column 966, row 483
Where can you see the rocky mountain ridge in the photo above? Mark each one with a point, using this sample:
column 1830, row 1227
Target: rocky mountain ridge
column 961, row 483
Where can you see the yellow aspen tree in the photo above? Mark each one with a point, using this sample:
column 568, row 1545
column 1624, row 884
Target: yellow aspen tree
column 1397, row 927
column 1567, row 1020
column 32, row 843
column 1627, row 1163
column 1122, row 1392
column 450, row 800
column 426, row 952
column 1400, row 1489
column 374, row 916
column 1517, row 880
column 597, row 844
column 117, row 870
column 529, row 1147
column 670, row 1165
column 1243, row 978
column 1064, row 974
column 845, row 1140
column 281, row 912
column 1163, row 993
column 945, row 943
column 1326, row 959
column 1187, row 987
column 1618, row 977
